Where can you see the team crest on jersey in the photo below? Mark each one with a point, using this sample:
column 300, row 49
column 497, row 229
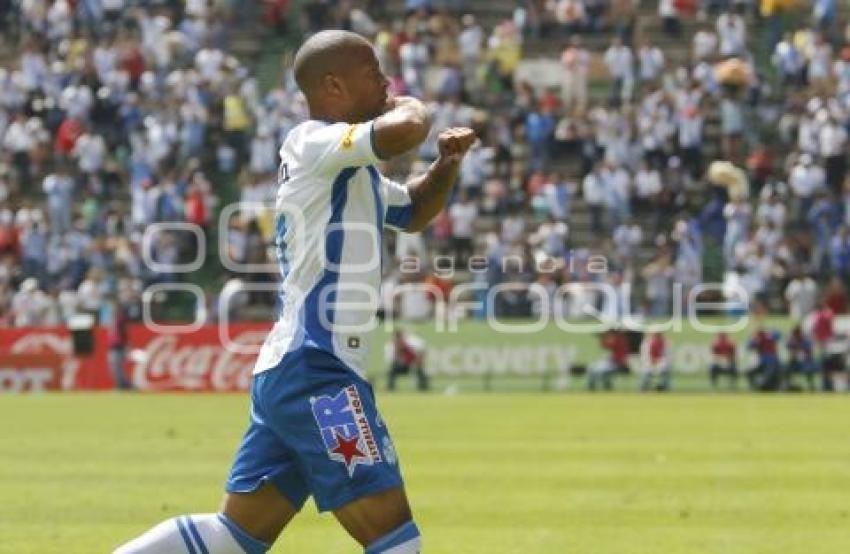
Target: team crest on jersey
column 348, row 137
column 345, row 429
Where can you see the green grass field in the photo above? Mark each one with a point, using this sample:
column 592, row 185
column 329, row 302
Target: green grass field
column 500, row 473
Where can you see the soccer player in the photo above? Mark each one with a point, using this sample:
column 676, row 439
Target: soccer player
column 314, row 427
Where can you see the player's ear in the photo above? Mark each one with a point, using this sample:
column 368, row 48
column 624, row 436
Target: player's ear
column 334, row 86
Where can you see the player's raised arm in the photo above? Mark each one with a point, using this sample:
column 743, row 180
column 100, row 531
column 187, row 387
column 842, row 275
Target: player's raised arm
column 404, row 126
column 429, row 192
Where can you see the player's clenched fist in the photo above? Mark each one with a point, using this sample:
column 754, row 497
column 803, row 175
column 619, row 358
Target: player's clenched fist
column 454, row 142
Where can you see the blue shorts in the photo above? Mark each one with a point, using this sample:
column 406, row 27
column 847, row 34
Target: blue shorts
column 315, row 429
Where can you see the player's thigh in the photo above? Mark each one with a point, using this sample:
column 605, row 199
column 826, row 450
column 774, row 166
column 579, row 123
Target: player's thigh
column 262, row 513
column 369, row 518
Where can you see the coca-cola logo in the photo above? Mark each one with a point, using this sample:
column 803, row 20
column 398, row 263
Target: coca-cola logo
column 168, row 362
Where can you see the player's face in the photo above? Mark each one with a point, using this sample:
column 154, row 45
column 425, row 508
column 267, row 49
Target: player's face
column 367, row 87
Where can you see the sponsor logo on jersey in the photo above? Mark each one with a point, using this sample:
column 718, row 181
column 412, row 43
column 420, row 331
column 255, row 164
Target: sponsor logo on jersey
column 345, row 429
column 348, row 137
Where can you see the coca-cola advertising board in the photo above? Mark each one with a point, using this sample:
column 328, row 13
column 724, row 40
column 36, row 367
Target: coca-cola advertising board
column 211, row 358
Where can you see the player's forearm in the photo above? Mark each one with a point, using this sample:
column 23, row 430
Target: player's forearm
column 430, row 192
column 404, row 126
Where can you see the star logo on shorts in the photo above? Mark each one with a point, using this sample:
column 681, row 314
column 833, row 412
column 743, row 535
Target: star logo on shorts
column 347, row 451
column 345, row 429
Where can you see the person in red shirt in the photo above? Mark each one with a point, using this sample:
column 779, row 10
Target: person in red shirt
column 117, row 341
column 767, row 375
column 835, row 297
column 823, row 326
column 617, row 360
column 407, row 354
column 829, row 358
column 656, row 365
column 724, row 360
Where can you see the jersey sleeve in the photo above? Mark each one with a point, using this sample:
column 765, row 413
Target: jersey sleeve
column 399, row 211
column 342, row 145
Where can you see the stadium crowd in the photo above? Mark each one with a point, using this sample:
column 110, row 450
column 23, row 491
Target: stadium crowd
column 116, row 115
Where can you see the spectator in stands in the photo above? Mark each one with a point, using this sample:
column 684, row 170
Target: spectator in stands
column 835, row 296
column 801, row 295
column 724, row 360
column 806, row 180
column 463, row 214
column 30, row 306
column 658, row 276
column 690, row 124
column 594, row 190
column 650, row 62
column 824, row 219
column 539, row 129
column 732, row 33
column 738, row 214
column 833, row 150
column 620, row 63
column 470, row 42
column 732, row 125
column 788, row 59
column 655, row 363
column 576, row 63
column 669, row 18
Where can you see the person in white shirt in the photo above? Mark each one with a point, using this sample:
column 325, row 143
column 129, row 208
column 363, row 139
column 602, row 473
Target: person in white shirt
column 690, row 125
column 841, row 71
column 647, row 186
column 833, row 150
column 789, row 61
column 90, row 151
column 738, row 214
column 594, row 191
column 19, row 141
column 627, row 238
column 805, row 180
column 575, row 61
column 732, row 31
column 311, row 405
column 470, row 42
column 414, row 58
column 704, row 45
column 59, row 188
column 618, row 199
column 463, row 215
column 801, row 294
column 820, row 64
column 650, row 61
column 620, row 62
column 263, row 151
column 771, row 209
column 30, row 306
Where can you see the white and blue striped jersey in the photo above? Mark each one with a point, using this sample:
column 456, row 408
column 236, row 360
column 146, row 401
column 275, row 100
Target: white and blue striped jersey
column 332, row 206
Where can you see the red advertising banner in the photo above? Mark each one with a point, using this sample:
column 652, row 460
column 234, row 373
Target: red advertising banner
column 211, row 358
column 30, row 372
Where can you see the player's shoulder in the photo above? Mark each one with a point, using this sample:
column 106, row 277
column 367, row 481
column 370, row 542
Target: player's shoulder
column 315, row 137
